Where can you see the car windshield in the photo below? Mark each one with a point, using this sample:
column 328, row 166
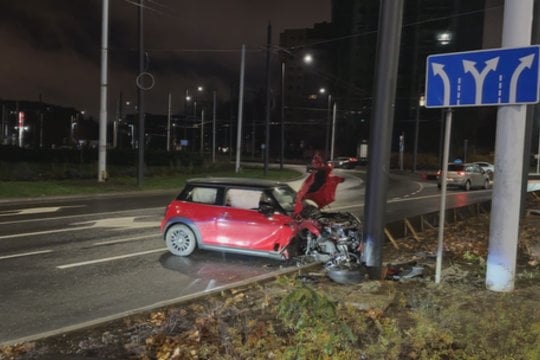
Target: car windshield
column 285, row 196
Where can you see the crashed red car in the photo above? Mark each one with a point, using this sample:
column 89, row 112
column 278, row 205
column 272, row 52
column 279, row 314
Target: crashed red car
column 260, row 217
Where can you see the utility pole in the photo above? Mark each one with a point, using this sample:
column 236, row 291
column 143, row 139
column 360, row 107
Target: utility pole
column 214, row 126
column 282, row 132
column 202, row 131
column 268, row 99
column 328, row 127
column 140, row 100
column 102, row 156
column 511, row 122
column 388, row 44
column 334, row 113
column 169, row 124
column 240, row 109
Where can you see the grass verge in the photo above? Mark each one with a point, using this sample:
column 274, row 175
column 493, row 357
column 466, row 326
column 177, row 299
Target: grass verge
column 18, row 189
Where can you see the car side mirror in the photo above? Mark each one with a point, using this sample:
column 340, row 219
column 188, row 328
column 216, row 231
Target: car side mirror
column 266, row 208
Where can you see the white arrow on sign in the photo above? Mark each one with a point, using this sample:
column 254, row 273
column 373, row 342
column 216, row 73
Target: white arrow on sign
column 525, row 62
column 479, row 77
column 438, row 70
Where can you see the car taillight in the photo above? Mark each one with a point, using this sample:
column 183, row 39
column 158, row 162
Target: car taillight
column 461, row 173
column 439, row 173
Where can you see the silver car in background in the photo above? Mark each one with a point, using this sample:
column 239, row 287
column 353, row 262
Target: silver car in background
column 465, row 176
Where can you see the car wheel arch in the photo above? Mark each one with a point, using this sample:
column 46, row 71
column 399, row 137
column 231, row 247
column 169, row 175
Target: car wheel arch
column 184, row 221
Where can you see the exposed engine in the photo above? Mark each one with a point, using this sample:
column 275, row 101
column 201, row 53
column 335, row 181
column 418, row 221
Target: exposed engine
column 337, row 239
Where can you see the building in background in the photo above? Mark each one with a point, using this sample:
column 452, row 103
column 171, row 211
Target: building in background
column 347, row 51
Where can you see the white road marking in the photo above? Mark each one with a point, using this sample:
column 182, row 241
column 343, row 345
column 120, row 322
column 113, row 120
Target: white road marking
column 97, row 261
column 37, row 210
column 121, row 222
column 118, row 223
column 43, row 232
column 117, row 241
column 25, row 254
column 77, row 216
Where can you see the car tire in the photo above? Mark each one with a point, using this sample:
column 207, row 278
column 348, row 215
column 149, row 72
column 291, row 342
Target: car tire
column 180, row 240
column 467, row 185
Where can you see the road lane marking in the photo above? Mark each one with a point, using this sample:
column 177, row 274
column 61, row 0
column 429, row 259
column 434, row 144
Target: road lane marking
column 36, row 210
column 43, row 232
column 25, row 254
column 117, row 223
column 97, row 261
column 117, row 241
column 77, row 216
column 120, row 222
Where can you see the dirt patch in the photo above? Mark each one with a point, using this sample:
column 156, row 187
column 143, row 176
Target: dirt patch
column 308, row 316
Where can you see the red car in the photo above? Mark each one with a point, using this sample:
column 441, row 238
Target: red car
column 259, row 217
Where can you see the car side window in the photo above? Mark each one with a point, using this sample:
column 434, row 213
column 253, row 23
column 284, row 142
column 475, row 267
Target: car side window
column 203, row 195
column 243, row 198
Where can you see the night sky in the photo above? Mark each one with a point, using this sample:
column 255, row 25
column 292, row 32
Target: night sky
column 52, row 47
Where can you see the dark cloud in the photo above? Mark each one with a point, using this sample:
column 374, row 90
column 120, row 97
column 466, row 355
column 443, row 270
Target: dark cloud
column 52, row 47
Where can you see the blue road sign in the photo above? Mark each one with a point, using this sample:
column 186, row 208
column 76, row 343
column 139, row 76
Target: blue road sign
column 483, row 78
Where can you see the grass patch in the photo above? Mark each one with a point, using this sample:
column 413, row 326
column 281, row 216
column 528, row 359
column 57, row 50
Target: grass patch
column 17, row 189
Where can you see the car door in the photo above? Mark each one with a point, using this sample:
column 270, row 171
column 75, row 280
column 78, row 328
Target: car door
column 476, row 175
column 242, row 225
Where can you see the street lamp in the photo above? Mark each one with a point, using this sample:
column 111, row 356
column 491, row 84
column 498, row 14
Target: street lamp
column 421, row 102
column 444, row 37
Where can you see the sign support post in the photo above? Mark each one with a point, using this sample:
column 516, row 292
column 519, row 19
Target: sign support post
column 505, row 213
column 442, row 212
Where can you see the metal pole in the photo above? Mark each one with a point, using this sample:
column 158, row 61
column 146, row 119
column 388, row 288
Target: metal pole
column 401, row 150
column 416, row 133
column 268, row 100
column 334, row 112
column 511, row 121
column 41, row 130
column 169, row 123
column 282, row 142
column 538, row 153
column 328, row 120
column 102, row 155
column 442, row 211
column 240, row 109
column 202, row 131
column 2, row 125
column 115, row 125
column 140, row 100
column 388, row 44
column 214, row 126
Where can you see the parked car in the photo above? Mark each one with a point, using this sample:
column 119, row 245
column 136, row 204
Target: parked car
column 466, row 176
column 261, row 218
column 489, row 168
column 344, row 162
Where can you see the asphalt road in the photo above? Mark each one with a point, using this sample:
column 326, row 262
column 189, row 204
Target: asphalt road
column 68, row 262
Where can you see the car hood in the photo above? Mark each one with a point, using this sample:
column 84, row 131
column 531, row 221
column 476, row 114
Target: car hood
column 320, row 186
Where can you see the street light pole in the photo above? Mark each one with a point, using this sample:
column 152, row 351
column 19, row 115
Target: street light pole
column 169, row 124
column 102, row 154
column 334, row 112
column 214, row 126
column 328, row 119
column 202, row 131
column 140, row 100
column 282, row 142
column 421, row 102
